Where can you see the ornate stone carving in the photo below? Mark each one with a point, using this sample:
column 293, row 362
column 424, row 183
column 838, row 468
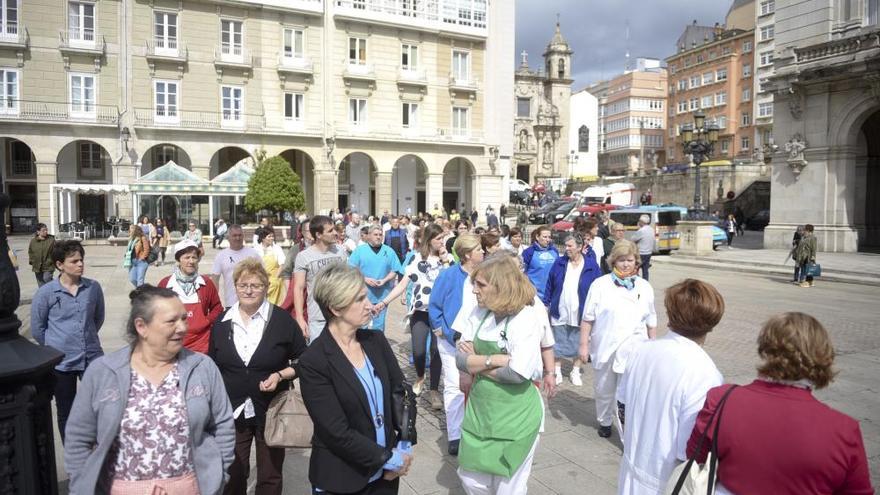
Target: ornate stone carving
column 795, row 148
column 796, row 101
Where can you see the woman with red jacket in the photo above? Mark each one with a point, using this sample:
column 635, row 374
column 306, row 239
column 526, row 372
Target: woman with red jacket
column 198, row 294
column 775, row 437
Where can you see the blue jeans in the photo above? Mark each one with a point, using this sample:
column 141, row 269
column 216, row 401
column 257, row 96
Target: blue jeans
column 137, row 272
column 646, row 265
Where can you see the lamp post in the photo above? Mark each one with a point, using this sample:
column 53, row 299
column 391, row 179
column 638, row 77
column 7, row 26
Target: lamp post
column 699, row 142
column 572, row 162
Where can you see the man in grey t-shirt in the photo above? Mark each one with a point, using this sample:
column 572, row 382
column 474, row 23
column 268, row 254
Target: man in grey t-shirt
column 227, row 259
column 644, row 239
column 353, row 229
column 308, row 264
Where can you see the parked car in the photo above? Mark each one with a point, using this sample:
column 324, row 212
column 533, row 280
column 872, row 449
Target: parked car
column 541, row 215
column 566, row 225
column 518, row 185
column 758, row 221
column 561, row 212
column 719, row 237
column 519, row 197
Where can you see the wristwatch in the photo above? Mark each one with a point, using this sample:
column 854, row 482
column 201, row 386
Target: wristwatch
column 489, row 361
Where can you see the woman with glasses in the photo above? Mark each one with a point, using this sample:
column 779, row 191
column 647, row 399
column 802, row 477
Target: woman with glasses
column 253, row 345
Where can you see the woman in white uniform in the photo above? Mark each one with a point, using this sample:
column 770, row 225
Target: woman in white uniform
column 664, row 388
column 618, row 315
column 504, row 413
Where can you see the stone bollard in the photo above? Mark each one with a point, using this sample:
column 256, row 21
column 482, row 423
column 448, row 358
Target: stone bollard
column 696, row 237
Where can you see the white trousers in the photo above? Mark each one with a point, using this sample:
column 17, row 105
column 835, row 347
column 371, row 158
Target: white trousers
column 605, row 392
column 475, row 483
column 453, row 398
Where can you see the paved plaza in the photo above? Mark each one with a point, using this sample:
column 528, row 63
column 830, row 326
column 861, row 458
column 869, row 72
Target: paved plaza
column 571, row 458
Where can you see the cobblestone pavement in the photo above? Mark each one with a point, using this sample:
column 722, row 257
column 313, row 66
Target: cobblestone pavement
column 571, row 458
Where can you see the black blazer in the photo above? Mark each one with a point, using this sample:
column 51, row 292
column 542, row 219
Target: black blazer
column 344, row 450
column 282, row 342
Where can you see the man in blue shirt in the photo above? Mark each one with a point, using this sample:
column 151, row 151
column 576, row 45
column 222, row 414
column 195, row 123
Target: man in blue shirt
column 66, row 314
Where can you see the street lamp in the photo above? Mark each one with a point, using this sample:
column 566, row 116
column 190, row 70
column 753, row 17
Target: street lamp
column 572, row 163
column 699, row 141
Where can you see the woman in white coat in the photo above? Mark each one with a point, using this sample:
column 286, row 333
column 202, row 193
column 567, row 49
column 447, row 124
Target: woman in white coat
column 664, row 387
column 618, row 315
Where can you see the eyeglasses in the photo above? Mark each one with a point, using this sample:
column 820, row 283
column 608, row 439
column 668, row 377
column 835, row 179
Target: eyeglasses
column 253, row 287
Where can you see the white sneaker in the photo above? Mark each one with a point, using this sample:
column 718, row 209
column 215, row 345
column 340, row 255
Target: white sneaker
column 558, row 376
column 576, row 379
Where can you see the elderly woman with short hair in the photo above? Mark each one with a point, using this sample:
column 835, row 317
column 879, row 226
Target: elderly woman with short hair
column 501, row 346
column 618, row 315
column 254, row 345
column 152, row 417
column 664, row 387
column 351, row 383
column 775, row 436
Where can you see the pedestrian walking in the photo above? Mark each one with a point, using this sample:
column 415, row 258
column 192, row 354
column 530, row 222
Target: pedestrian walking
column 795, row 240
column 67, row 313
column 474, row 216
column 451, row 296
column 618, row 315
column 220, row 230
column 152, row 417
column 135, row 258
column 264, row 222
column 397, row 239
column 194, row 234
column 226, row 261
column 199, row 296
column 147, row 227
column 645, row 240
column 353, row 230
column 380, row 267
column 805, row 254
column 421, row 273
column 539, row 258
column 730, row 229
column 304, row 240
column 501, row 347
column 273, row 259
column 491, row 218
column 253, row 345
column 161, row 239
column 40, row 255
column 516, row 241
column 307, row 265
column 664, row 387
column 774, row 435
column 569, row 281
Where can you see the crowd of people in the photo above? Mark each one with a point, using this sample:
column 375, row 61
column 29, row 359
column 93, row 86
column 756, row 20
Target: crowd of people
column 495, row 319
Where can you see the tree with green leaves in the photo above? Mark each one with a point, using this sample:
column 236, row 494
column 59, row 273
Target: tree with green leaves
column 274, row 186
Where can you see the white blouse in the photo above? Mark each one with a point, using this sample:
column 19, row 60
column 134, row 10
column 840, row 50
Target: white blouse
column 246, row 338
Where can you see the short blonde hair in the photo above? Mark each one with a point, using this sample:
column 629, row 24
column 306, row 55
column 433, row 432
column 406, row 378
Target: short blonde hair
column 465, row 244
column 250, row 266
column 336, row 288
column 795, row 346
column 513, row 291
column 623, row 248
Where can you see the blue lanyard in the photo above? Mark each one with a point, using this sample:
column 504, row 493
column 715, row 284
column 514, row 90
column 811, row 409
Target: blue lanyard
column 372, row 392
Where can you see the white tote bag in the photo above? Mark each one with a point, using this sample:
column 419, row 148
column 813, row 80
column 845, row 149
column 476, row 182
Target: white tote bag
column 690, row 478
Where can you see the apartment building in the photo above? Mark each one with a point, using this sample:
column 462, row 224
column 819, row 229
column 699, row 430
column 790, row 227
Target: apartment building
column 632, row 120
column 713, row 75
column 765, row 34
column 377, row 104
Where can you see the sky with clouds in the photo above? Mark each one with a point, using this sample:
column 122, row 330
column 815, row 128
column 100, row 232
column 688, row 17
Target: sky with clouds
column 596, row 29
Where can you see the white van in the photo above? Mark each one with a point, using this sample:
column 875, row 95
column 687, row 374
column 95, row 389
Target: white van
column 517, row 185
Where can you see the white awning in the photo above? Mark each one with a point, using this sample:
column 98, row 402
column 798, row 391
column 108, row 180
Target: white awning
column 91, row 188
column 63, row 195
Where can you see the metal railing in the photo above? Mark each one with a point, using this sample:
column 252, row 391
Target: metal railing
column 399, row 132
column 354, row 69
column 297, row 64
column 233, row 55
column 162, row 47
column 13, row 33
column 82, row 39
column 412, row 75
column 61, row 112
column 184, row 119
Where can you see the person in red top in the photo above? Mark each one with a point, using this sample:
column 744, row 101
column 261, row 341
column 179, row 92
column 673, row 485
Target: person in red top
column 198, row 294
column 774, row 436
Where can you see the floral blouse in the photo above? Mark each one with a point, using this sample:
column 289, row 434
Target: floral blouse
column 153, row 441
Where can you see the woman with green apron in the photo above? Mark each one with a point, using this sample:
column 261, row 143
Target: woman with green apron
column 501, row 347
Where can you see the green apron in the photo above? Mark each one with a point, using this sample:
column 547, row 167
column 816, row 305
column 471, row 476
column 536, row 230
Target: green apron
column 501, row 420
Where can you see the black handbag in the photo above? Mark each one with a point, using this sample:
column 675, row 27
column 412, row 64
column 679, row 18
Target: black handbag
column 404, row 410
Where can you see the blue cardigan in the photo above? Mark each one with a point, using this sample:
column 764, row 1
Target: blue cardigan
column 445, row 302
column 537, row 262
column 556, row 280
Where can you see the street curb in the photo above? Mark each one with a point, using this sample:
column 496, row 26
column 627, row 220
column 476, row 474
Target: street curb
column 734, row 264
column 763, row 269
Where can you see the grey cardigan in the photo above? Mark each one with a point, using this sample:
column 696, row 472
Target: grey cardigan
column 100, row 402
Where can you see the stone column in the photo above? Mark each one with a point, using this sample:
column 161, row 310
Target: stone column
column 326, row 191
column 125, row 173
column 383, row 192
column 433, row 191
column 487, row 193
column 47, row 174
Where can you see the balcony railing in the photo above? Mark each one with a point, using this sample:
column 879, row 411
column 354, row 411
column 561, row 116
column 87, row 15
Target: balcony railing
column 463, row 83
column 418, row 14
column 412, row 76
column 82, row 40
column 233, row 56
column 167, row 49
column 13, row 35
column 58, row 112
column 296, row 65
column 208, row 121
column 355, row 70
column 422, row 133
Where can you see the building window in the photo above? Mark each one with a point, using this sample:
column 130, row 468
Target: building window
column 746, row 119
column 699, row 58
column 167, row 100
column 747, row 94
column 708, row 78
column 725, row 51
column 9, row 18
column 682, row 106
column 682, row 84
column 766, row 58
column 721, row 98
column 231, row 39
column 409, row 57
column 695, row 82
column 9, row 91
column 357, row 111
column 747, row 46
column 747, row 70
column 165, row 32
column 461, row 65
column 722, row 122
column 745, row 144
column 293, row 107
column 82, row 95
column 721, row 75
column 81, row 22
column 163, row 154
column 90, row 160
column 767, row 33
column 469, row 13
column 460, row 121
column 232, row 105
column 768, row 7
column 765, row 109
column 872, row 12
column 523, row 107
column 672, row 69
column 707, row 102
column 695, row 104
column 409, row 115
column 357, row 51
column 294, row 43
